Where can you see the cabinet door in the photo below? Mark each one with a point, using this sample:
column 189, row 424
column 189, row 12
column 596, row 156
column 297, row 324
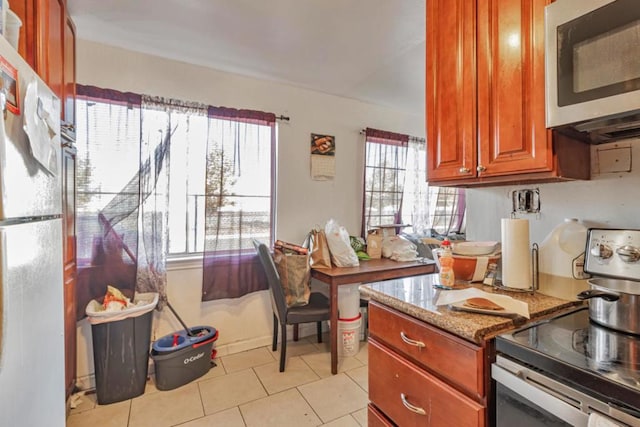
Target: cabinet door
column 50, row 58
column 410, row 396
column 70, row 345
column 69, row 76
column 451, row 89
column 70, row 267
column 69, row 204
column 26, row 11
column 452, row 359
column 512, row 137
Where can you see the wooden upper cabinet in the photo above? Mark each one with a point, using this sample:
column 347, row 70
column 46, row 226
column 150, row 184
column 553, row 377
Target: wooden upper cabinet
column 502, row 138
column 512, row 136
column 69, row 77
column 451, row 88
column 47, row 43
column 50, row 55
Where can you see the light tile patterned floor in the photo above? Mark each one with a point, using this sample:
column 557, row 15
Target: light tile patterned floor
column 245, row 390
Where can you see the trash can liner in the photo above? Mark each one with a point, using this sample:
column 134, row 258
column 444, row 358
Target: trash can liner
column 143, row 302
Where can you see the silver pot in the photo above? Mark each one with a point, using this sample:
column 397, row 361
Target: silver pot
column 614, row 303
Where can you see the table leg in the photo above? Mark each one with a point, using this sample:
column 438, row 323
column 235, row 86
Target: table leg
column 333, row 313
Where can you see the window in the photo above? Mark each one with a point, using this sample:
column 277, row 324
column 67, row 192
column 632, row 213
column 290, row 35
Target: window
column 109, row 138
column 396, row 191
column 384, row 175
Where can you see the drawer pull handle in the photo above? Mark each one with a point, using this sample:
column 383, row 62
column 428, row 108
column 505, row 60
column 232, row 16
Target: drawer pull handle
column 411, row 342
column 410, row 407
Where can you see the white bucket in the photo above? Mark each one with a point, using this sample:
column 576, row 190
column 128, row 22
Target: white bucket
column 349, row 336
column 348, row 301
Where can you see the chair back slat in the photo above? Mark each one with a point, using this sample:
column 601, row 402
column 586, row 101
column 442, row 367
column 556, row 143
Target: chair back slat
column 275, row 286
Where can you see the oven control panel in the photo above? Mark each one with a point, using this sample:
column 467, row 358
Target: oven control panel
column 613, row 252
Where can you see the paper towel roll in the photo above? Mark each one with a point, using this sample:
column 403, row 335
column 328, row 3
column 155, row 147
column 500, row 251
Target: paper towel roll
column 516, row 255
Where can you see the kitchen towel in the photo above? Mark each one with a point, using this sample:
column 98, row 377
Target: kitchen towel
column 516, row 255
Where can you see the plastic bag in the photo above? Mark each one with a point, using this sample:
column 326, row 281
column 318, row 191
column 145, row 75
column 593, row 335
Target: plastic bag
column 398, row 249
column 142, row 303
column 342, row 254
column 295, row 275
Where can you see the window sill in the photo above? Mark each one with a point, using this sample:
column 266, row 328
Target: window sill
column 184, row 262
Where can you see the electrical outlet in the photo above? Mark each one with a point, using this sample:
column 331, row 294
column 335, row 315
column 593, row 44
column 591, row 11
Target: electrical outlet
column 526, row 201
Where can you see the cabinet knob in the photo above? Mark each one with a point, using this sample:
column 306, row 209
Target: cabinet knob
column 464, row 170
column 411, row 342
column 481, row 168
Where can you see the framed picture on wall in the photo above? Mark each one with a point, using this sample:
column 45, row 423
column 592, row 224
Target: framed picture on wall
column 323, row 144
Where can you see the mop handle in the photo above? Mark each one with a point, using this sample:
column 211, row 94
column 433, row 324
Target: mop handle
column 180, row 320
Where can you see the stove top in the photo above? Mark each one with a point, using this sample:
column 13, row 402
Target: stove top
column 597, row 360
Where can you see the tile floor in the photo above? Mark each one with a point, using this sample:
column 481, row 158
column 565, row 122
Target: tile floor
column 246, row 389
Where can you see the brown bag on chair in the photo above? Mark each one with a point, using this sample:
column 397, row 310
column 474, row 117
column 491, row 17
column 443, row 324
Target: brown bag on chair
column 319, row 254
column 295, row 275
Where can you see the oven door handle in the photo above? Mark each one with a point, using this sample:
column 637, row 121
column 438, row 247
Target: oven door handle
column 540, row 395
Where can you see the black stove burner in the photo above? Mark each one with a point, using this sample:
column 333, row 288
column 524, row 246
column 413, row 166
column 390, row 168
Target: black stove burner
column 571, row 348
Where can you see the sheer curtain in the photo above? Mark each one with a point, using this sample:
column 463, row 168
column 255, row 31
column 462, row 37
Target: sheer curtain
column 121, row 196
column 239, row 200
column 430, row 210
column 415, row 203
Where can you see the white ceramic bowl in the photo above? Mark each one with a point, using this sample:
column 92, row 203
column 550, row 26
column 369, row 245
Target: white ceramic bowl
column 474, row 248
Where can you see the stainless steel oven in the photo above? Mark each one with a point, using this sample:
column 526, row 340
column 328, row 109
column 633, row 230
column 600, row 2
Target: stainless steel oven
column 528, row 398
column 573, row 370
column 557, row 373
column 593, row 67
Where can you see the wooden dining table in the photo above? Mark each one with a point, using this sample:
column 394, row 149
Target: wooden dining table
column 373, row 270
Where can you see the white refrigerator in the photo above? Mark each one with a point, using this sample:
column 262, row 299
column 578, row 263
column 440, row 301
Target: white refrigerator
column 32, row 389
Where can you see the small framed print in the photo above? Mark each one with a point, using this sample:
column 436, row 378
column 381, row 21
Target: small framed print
column 10, row 85
column 323, row 145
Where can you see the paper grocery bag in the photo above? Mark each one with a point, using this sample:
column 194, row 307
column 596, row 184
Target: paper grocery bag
column 295, row 275
column 319, row 254
column 374, row 245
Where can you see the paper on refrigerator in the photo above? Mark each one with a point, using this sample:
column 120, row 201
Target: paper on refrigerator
column 40, row 126
column 510, row 304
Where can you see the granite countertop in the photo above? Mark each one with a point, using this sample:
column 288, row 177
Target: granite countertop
column 416, row 296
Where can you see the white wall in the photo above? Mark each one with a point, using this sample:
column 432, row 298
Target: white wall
column 302, row 203
column 608, row 200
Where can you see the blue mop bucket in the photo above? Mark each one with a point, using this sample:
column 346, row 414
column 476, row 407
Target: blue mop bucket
column 180, row 339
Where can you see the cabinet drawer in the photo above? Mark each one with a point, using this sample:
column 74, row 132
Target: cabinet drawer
column 376, row 419
column 395, row 383
column 451, row 358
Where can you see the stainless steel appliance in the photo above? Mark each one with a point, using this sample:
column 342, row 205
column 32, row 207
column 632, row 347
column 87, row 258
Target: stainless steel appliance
column 593, row 68
column 574, row 367
column 32, row 389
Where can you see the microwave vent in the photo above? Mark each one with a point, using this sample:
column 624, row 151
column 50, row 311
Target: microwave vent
column 611, row 129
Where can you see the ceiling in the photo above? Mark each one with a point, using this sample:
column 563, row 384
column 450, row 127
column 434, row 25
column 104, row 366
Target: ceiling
column 370, row 50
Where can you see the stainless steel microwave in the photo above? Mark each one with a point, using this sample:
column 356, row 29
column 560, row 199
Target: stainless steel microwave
column 592, row 51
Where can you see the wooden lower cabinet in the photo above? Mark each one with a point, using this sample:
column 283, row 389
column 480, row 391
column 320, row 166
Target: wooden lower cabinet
column 421, row 375
column 377, row 418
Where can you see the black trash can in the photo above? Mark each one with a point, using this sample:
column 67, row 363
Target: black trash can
column 121, row 352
